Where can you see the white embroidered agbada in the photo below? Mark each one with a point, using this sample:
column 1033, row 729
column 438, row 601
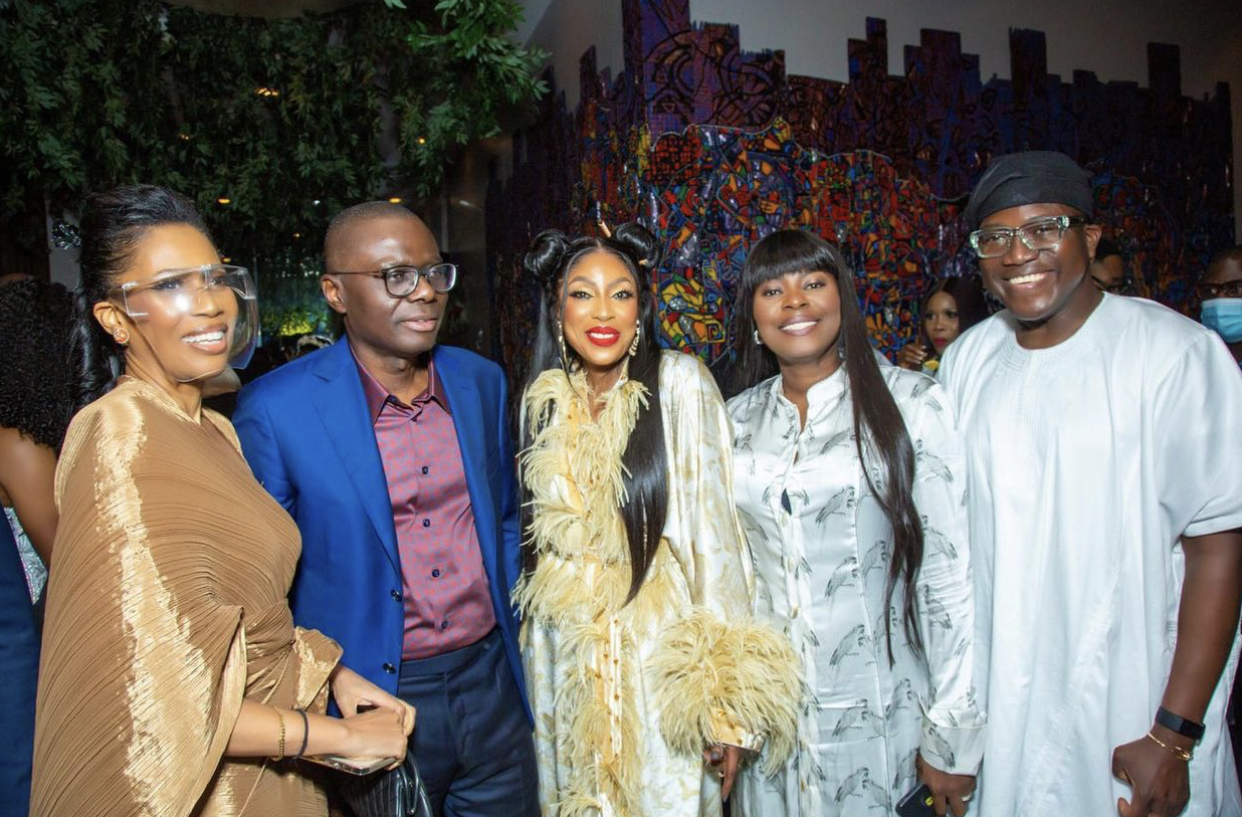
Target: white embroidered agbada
column 1087, row 463
column 822, row 545
column 626, row 696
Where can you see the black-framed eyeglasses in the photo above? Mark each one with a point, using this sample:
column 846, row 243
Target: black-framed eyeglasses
column 1121, row 287
column 401, row 280
column 1039, row 234
column 1225, row 289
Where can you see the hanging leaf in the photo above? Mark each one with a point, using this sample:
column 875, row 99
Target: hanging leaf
column 271, row 115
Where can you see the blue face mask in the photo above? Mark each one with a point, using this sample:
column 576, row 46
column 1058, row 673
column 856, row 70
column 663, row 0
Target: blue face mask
column 1224, row 317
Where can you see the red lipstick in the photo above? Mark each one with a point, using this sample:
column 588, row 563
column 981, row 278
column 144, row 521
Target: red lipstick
column 603, row 335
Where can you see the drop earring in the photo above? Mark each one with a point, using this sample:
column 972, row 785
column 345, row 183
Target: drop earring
column 560, row 337
column 638, row 333
column 758, row 340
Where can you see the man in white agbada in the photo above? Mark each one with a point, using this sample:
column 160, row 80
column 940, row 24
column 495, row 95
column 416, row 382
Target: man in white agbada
column 1104, row 449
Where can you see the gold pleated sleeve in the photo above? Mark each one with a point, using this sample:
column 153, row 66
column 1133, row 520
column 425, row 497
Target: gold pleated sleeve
column 167, row 562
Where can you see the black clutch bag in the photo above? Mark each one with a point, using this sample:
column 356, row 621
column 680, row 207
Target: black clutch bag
column 397, row 793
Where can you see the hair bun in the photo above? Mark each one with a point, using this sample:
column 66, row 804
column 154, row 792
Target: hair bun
column 544, row 257
column 640, row 243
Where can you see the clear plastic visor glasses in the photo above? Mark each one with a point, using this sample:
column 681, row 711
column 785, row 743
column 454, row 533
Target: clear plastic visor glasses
column 1040, row 234
column 401, row 281
column 177, row 291
column 199, row 290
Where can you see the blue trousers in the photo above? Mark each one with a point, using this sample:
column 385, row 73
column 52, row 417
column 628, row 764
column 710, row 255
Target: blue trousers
column 472, row 741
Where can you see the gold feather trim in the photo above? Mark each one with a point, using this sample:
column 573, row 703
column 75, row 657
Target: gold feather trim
column 746, row 670
column 576, row 478
column 573, row 466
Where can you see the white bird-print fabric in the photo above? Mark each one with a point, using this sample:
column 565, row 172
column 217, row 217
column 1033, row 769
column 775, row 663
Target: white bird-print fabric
column 822, row 547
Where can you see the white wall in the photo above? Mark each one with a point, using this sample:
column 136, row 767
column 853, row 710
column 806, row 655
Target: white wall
column 566, row 29
column 1108, row 37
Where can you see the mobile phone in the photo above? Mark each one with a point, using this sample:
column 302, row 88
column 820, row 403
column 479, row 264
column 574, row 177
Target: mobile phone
column 917, row 803
column 351, row 765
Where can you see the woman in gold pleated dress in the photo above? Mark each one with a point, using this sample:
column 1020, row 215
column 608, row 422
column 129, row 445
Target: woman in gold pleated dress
column 173, row 681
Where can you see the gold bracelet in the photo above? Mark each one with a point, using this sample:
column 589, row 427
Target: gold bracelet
column 281, row 756
column 1176, row 751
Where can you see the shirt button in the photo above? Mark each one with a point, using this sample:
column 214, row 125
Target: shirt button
column 426, row 523
column 444, row 624
column 435, row 574
column 389, row 668
column 424, row 469
column 396, row 595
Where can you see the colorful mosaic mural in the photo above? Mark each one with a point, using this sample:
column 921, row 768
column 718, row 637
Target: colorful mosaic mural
column 713, row 148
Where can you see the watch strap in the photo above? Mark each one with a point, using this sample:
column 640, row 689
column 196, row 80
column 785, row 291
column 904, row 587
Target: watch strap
column 1178, row 724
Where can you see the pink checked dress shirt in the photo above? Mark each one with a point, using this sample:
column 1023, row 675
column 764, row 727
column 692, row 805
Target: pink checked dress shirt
column 448, row 603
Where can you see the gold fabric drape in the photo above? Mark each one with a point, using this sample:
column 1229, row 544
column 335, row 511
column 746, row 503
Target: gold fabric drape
column 166, row 606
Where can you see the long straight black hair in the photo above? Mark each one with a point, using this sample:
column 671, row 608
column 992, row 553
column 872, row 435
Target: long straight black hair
column 878, row 425
column 550, row 258
column 113, row 223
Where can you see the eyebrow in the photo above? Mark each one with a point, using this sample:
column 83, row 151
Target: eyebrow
column 624, row 279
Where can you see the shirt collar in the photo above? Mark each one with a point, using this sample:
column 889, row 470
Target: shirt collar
column 377, row 396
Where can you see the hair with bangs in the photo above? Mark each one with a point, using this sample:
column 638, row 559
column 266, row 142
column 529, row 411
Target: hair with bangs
column 880, row 433
column 967, row 295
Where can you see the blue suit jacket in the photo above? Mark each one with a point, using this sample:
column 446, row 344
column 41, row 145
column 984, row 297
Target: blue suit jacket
column 309, row 439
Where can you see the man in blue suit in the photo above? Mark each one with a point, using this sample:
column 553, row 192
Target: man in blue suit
column 393, row 455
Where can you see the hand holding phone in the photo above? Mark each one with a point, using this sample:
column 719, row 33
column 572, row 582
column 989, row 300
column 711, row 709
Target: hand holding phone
column 352, row 765
column 916, row 803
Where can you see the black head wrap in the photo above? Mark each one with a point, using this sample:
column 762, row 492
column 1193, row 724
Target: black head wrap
column 1034, row 177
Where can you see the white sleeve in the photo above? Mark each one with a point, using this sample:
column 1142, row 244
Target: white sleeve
column 1197, row 428
column 953, row 726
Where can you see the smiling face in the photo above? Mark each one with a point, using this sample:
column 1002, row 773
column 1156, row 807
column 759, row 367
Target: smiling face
column 798, row 317
column 601, row 311
column 1038, row 285
column 174, row 336
column 376, row 321
column 941, row 321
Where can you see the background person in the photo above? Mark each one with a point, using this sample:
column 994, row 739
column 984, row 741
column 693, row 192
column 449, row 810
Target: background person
column 1220, row 298
column 1108, row 269
column 953, row 305
column 36, row 400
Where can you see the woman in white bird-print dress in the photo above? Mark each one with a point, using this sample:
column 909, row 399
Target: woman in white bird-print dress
column 860, row 549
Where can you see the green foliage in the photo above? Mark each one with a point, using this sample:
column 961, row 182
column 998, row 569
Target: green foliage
column 289, row 120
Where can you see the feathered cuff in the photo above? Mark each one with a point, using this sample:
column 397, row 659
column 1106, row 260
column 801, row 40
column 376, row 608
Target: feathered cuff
column 726, row 683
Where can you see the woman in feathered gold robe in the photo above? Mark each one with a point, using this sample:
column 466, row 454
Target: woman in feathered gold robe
column 171, row 667
column 640, row 653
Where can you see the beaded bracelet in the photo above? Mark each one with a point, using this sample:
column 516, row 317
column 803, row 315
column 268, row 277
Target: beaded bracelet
column 281, row 751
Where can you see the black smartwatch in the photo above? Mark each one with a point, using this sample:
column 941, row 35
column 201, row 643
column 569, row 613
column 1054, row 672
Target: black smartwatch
column 1178, row 724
